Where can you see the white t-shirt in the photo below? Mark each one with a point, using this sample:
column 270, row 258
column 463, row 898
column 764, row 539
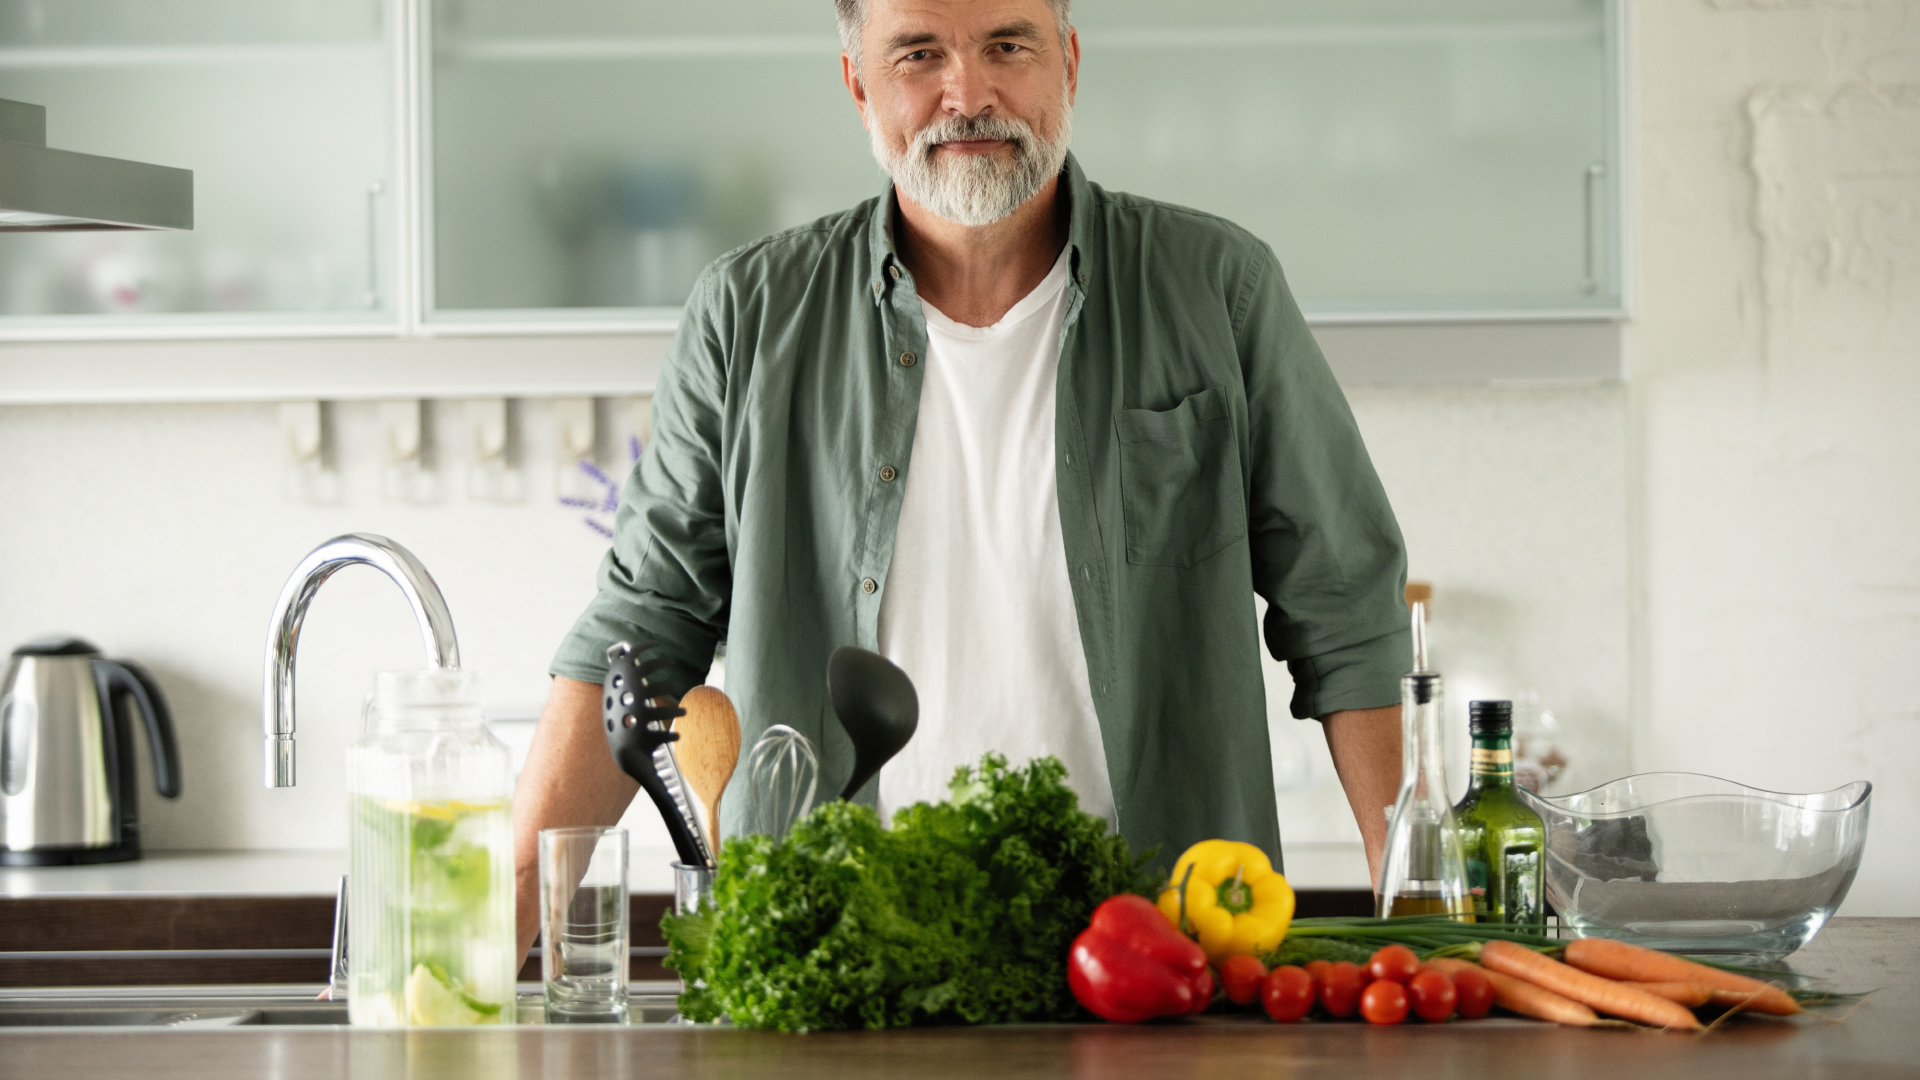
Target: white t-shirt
column 978, row 608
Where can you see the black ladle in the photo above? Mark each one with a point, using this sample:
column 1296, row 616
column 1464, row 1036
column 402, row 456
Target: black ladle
column 876, row 704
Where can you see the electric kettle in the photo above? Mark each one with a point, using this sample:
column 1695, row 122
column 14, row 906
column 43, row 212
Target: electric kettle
column 67, row 790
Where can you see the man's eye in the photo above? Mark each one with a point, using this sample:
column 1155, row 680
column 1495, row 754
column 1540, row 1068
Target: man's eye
column 1006, row 47
column 917, row 54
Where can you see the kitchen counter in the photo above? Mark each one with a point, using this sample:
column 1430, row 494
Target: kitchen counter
column 263, row 917
column 1316, row 867
column 238, row 873
column 185, row 873
column 1878, row 1038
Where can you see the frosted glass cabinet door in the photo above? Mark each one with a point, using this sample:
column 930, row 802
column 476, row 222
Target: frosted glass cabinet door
column 1402, row 156
column 284, row 112
column 599, row 153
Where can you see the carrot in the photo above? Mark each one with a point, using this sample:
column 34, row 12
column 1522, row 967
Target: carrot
column 1692, row 995
column 1521, row 996
column 1749, row 1001
column 1604, row 995
column 1619, row 960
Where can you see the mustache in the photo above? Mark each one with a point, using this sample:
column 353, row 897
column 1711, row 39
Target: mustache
column 968, row 128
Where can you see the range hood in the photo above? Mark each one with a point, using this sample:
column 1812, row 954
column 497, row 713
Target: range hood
column 48, row 190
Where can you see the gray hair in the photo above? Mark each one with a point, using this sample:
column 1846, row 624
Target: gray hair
column 853, row 21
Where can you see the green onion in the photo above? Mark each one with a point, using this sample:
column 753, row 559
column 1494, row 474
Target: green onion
column 1433, row 934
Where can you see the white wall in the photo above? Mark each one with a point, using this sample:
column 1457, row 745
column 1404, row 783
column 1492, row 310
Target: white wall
column 1514, row 505
column 1713, row 569
column 1776, row 375
column 163, row 533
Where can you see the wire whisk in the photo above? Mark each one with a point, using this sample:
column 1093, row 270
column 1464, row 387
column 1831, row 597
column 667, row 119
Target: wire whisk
column 783, row 770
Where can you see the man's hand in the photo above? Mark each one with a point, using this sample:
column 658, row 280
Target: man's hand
column 1366, row 754
column 570, row 779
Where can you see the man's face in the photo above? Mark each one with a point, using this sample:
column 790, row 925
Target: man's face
column 968, row 102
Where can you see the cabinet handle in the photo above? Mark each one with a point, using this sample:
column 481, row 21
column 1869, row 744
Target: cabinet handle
column 1596, row 172
column 374, row 191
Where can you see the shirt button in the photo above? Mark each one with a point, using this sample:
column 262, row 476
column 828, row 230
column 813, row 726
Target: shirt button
column 876, row 288
column 895, row 271
column 887, row 473
column 869, row 586
column 907, row 359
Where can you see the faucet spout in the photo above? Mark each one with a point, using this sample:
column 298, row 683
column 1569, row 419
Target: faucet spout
column 283, row 633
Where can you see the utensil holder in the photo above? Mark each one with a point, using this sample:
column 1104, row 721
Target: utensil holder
column 692, row 887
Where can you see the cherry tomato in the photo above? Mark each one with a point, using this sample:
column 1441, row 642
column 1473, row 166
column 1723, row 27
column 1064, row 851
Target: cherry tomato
column 1340, row 990
column 1242, row 977
column 1288, row 994
column 1433, row 995
column 1384, row 1002
column 1473, row 991
column 1317, row 971
column 1395, row 963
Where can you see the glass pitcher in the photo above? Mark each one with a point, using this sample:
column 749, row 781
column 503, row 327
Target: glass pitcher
column 430, row 885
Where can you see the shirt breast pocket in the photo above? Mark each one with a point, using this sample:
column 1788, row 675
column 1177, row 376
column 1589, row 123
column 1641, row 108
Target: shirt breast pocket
column 1180, row 486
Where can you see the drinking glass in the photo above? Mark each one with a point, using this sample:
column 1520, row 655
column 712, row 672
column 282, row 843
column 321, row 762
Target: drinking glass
column 584, row 923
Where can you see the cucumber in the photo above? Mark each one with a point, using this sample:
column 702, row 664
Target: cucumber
column 1298, row 951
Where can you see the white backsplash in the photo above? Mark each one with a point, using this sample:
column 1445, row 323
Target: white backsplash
column 1514, row 506
column 164, row 533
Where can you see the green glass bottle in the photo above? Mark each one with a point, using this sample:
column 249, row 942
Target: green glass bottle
column 1502, row 839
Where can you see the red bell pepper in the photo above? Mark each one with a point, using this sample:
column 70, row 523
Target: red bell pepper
column 1131, row 964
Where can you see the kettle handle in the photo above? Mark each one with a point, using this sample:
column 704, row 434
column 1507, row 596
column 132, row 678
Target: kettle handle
column 119, row 678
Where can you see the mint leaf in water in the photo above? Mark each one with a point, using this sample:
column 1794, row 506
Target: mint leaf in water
column 430, row 832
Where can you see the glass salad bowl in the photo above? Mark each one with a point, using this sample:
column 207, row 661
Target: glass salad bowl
column 1696, row 864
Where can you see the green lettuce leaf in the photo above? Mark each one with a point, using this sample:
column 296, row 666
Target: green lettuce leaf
column 962, row 913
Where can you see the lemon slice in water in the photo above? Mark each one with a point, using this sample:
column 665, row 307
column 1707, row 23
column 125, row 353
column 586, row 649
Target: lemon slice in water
column 432, row 1003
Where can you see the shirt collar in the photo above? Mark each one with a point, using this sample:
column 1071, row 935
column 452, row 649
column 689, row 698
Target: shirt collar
column 887, row 268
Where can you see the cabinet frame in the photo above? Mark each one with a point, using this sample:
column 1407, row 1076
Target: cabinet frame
column 45, row 363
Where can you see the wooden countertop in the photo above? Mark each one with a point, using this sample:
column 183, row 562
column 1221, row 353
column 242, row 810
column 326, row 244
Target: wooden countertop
column 1879, row 1038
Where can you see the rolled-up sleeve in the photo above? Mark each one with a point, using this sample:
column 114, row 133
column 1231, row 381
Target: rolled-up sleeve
column 666, row 580
column 1327, row 553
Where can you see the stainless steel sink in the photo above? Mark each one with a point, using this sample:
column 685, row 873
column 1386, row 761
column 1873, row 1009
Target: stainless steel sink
column 202, row 1008
column 186, row 1008
column 223, row 1014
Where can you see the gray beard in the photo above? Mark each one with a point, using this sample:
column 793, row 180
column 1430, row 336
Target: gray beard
column 976, row 189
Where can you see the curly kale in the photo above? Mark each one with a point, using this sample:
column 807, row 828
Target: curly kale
column 962, row 913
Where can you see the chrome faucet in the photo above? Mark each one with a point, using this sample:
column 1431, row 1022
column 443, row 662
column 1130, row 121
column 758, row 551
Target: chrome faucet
column 283, row 633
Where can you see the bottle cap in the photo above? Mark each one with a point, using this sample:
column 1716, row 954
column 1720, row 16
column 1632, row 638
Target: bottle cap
column 1420, row 687
column 1490, row 717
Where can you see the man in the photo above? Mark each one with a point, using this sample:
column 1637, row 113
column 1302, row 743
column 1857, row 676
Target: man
column 1037, row 442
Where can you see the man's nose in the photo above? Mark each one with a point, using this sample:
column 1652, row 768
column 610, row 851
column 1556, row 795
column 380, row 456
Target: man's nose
column 968, row 88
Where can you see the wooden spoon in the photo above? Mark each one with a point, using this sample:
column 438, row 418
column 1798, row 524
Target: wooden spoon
column 708, row 750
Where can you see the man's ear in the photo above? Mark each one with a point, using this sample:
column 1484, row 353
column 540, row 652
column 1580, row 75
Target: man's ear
column 851, row 77
column 1073, row 63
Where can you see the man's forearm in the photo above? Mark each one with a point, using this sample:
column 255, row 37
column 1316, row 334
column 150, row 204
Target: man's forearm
column 569, row 779
column 1366, row 753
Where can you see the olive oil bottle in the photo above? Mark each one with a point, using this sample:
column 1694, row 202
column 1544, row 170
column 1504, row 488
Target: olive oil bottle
column 1424, row 869
column 1501, row 838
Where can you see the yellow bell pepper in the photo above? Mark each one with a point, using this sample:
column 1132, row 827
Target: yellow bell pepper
column 1235, row 904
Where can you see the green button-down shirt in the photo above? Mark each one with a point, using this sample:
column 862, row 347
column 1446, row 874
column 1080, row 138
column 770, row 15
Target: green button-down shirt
column 1203, row 453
